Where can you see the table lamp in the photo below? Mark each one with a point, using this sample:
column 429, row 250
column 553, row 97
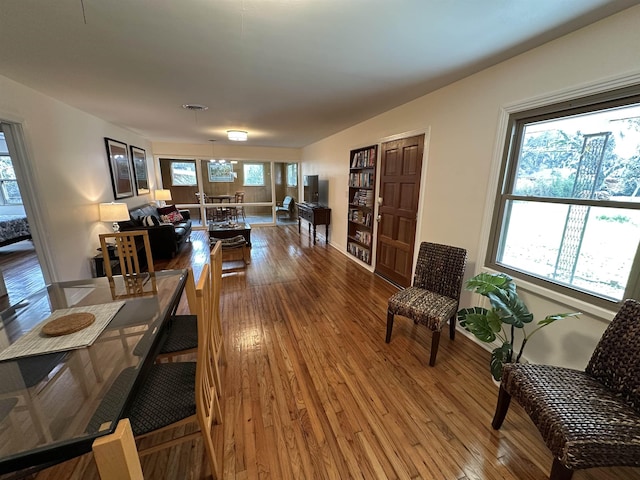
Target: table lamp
column 114, row 212
column 162, row 195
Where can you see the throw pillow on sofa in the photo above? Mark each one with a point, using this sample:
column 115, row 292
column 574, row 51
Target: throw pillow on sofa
column 170, row 214
column 149, row 221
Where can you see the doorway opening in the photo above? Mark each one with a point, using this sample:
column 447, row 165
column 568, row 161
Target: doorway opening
column 20, row 270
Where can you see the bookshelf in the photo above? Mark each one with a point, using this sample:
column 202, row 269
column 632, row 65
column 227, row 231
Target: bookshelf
column 362, row 186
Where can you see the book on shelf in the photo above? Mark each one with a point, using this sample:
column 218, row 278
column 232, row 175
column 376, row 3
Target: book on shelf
column 361, row 179
column 363, row 237
column 364, row 158
column 363, row 198
column 359, row 251
column 358, row 216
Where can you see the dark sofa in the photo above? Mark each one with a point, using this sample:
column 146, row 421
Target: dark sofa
column 166, row 238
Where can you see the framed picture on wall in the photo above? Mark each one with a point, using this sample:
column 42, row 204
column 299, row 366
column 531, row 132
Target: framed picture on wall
column 220, row 172
column 120, row 167
column 139, row 161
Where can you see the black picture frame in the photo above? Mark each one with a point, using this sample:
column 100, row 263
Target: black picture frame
column 140, row 173
column 120, row 167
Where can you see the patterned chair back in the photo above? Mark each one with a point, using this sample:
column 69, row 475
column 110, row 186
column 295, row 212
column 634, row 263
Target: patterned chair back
column 440, row 269
column 616, row 360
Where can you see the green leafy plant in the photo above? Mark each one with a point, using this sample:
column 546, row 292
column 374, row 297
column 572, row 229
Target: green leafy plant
column 508, row 313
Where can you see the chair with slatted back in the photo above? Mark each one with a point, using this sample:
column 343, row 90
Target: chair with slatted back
column 135, row 273
column 175, row 394
column 239, row 209
column 216, row 321
column 182, row 335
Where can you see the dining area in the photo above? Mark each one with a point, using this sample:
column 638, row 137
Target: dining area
column 83, row 363
column 223, row 207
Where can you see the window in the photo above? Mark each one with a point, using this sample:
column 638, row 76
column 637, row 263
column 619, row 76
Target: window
column 183, row 174
column 567, row 214
column 292, row 175
column 253, row 174
column 9, row 191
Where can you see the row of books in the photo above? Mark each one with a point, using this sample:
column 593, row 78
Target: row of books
column 364, row 158
column 358, row 216
column 359, row 251
column 363, row 237
column 363, row 197
column 361, row 179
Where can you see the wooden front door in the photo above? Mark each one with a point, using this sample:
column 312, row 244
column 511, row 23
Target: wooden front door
column 400, row 169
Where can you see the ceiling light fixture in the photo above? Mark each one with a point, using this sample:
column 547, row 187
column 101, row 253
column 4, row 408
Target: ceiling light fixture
column 237, row 135
column 195, row 107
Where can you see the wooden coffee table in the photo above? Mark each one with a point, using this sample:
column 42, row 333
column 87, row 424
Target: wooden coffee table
column 225, row 230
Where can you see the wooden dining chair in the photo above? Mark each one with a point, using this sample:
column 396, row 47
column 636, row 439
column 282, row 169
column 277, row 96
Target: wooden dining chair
column 182, row 337
column 134, row 272
column 176, row 394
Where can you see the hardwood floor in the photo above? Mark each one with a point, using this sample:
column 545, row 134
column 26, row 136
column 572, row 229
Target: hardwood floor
column 311, row 390
column 21, row 271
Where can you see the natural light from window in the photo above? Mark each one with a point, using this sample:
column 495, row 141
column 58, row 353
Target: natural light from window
column 573, row 216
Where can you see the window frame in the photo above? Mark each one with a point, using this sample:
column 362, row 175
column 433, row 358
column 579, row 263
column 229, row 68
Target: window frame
column 516, row 124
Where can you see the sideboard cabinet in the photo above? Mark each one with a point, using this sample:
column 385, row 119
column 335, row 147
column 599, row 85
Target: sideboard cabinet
column 316, row 215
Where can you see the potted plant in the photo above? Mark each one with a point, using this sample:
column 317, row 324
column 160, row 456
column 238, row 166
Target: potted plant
column 508, row 313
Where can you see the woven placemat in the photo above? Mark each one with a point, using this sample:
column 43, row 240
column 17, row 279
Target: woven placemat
column 74, row 322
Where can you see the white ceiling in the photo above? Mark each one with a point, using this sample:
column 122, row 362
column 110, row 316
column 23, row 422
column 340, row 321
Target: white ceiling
column 289, row 71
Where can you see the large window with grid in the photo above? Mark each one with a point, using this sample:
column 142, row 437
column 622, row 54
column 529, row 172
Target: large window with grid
column 567, row 213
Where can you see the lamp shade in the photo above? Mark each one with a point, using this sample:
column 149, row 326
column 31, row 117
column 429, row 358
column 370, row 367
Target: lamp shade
column 114, row 212
column 237, row 135
column 163, row 194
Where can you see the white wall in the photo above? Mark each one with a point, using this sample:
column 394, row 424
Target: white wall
column 67, row 155
column 465, row 139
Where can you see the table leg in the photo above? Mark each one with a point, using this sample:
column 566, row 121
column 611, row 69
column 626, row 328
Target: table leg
column 116, row 454
column 299, row 225
column 314, row 233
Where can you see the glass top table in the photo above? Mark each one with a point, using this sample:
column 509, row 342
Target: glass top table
column 47, row 400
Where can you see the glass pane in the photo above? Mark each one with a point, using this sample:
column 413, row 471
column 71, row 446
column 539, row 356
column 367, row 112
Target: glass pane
column 590, row 156
column 6, row 168
column 11, row 192
column 292, row 175
column 588, row 248
column 183, row 173
column 254, row 174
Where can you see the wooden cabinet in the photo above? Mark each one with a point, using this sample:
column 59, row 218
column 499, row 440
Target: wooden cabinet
column 316, row 215
column 362, row 194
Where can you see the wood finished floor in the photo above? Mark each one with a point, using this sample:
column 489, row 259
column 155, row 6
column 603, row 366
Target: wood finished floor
column 311, row 391
column 21, row 271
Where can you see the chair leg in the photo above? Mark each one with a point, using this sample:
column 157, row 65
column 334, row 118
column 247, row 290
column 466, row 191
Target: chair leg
column 435, row 341
column 389, row 326
column 452, row 328
column 504, row 399
column 559, row 471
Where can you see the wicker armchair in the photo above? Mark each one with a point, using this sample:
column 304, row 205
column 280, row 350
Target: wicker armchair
column 587, row 418
column 433, row 298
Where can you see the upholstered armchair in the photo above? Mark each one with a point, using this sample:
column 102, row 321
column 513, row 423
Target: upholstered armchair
column 587, row 418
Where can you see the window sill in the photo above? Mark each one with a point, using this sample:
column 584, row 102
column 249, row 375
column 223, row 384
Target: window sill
column 595, row 311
